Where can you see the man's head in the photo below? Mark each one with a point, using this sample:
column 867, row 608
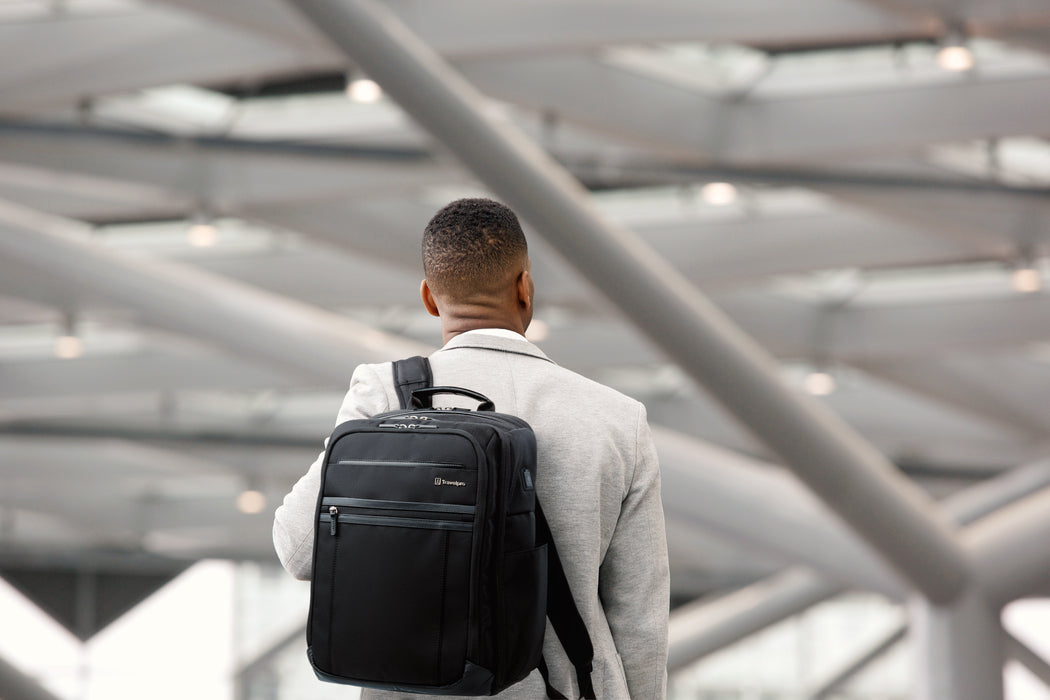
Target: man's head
column 476, row 263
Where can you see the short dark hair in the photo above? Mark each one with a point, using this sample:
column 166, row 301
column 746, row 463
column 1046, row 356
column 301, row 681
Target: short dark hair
column 472, row 246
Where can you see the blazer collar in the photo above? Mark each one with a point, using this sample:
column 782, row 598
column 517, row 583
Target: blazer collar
column 480, row 341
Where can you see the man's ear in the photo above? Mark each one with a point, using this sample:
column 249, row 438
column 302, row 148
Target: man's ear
column 526, row 289
column 428, row 299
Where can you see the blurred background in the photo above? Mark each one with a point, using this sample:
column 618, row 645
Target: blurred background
column 209, row 215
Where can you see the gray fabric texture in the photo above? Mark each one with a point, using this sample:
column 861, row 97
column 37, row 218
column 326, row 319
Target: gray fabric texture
column 598, row 480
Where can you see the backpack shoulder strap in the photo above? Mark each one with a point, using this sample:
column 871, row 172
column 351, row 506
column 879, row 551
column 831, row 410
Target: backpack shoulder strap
column 411, row 374
column 565, row 616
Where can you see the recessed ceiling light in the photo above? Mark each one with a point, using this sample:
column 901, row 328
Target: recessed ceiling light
column 1026, row 280
column 363, row 90
column 69, row 347
column 819, row 383
column 202, row 235
column 955, row 57
column 718, row 193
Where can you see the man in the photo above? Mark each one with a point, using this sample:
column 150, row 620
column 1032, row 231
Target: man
column 597, row 472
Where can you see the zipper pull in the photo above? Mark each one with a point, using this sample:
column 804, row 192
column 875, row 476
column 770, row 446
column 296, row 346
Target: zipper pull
column 333, row 512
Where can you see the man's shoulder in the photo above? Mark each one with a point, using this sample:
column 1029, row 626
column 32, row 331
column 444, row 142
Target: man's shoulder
column 592, row 388
column 373, row 374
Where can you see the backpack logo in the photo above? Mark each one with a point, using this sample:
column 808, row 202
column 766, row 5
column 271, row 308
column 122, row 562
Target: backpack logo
column 438, row 481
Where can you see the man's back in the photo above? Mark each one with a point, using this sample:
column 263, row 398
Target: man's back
column 598, row 481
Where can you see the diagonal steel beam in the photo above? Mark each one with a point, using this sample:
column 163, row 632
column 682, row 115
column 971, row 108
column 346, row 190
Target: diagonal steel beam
column 705, row 627
column 764, row 508
column 315, row 344
column 1009, row 549
column 1015, row 649
column 883, row 506
column 16, row 685
column 871, row 652
column 1021, row 652
column 741, row 613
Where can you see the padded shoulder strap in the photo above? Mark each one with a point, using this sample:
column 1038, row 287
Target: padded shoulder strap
column 411, row 374
column 564, row 615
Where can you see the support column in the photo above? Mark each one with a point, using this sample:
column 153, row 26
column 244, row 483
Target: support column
column 959, row 648
column 886, row 509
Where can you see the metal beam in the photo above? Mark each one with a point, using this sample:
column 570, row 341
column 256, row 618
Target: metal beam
column 703, row 627
column 314, row 344
column 967, row 390
column 218, row 172
column 1009, row 549
column 143, row 372
column 886, row 509
column 767, row 509
column 983, row 500
column 15, row 685
column 1019, row 216
column 707, row 626
column 232, row 436
column 1015, row 649
column 872, row 651
column 1022, row 653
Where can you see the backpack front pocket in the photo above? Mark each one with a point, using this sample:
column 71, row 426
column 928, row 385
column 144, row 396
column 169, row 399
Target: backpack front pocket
column 403, row 616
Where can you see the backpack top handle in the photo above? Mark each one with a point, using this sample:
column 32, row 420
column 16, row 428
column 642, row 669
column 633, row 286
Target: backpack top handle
column 423, row 398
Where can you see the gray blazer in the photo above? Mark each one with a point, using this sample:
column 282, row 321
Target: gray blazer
column 599, row 482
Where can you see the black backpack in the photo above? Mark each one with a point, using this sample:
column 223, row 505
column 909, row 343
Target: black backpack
column 434, row 568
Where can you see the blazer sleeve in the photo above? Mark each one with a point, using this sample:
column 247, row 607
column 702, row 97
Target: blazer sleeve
column 293, row 522
column 634, row 581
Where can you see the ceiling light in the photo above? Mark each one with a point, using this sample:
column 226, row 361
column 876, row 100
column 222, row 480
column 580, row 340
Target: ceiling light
column 718, row 193
column 69, row 347
column 251, row 502
column 819, row 383
column 1026, row 279
column 363, row 90
column 955, row 57
column 203, row 235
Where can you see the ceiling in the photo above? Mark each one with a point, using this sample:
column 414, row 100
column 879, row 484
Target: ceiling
column 879, row 211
